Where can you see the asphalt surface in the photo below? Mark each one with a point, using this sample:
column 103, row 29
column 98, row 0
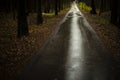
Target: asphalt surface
column 74, row 52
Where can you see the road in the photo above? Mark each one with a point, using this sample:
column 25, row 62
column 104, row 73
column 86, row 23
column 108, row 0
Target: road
column 74, row 52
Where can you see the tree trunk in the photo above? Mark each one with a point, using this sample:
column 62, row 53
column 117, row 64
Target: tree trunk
column 47, row 6
column 39, row 13
column 59, row 5
column 56, row 7
column 114, row 12
column 93, row 11
column 101, row 7
column 22, row 19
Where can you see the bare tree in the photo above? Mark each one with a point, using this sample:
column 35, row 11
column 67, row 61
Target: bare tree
column 93, row 11
column 39, row 13
column 56, row 7
column 115, row 12
column 22, row 19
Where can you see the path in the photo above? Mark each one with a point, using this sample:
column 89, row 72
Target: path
column 73, row 53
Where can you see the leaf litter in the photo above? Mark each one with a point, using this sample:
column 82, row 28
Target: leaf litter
column 16, row 52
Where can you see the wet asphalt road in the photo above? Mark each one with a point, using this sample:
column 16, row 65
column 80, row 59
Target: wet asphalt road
column 74, row 52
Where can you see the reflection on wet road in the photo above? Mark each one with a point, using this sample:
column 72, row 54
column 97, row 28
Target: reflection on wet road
column 74, row 52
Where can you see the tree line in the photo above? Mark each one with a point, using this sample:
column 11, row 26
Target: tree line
column 22, row 8
column 106, row 5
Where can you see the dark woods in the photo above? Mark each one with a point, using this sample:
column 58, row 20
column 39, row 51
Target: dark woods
column 114, row 7
column 93, row 11
column 99, row 6
column 20, row 9
column 22, row 19
column 115, row 12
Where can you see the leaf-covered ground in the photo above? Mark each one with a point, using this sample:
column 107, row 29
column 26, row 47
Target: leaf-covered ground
column 108, row 33
column 16, row 52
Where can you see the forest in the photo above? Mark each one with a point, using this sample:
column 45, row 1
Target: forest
column 26, row 26
column 22, row 9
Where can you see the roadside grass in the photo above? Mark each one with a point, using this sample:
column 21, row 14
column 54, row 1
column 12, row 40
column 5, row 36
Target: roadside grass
column 16, row 52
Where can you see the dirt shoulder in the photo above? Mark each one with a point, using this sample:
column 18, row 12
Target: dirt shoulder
column 16, row 52
column 108, row 33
